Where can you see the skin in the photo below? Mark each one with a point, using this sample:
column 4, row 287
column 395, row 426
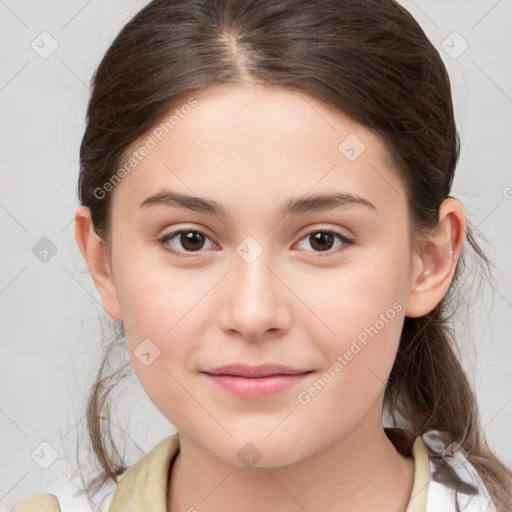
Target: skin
column 251, row 148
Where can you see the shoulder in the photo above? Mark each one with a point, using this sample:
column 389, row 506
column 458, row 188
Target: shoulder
column 40, row 503
column 444, row 477
column 68, row 499
column 72, row 499
column 454, row 483
column 149, row 472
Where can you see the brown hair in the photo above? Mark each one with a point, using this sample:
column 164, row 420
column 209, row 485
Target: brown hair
column 370, row 60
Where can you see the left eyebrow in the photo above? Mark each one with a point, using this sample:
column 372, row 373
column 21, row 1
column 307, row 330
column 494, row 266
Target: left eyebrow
column 296, row 206
column 324, row 202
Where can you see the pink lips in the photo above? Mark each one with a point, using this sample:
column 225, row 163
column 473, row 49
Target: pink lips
column 255, row 382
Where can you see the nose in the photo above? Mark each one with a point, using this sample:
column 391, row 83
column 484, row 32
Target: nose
column 254, row 300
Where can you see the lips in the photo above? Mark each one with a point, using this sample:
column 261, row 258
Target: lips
column 255, row 382
column 263, row 370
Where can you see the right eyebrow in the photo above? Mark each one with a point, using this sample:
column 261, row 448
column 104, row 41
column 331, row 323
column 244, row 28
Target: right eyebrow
column 198, row 204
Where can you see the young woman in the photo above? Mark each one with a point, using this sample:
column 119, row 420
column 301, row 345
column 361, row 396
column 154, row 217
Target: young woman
column 265, row 210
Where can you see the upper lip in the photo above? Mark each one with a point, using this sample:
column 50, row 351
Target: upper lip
column 263, row 370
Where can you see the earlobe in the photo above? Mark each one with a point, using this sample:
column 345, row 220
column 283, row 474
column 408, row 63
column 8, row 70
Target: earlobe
column 93, row 250
column 435, row 264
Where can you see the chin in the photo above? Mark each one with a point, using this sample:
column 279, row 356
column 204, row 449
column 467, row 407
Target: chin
column 260, row 453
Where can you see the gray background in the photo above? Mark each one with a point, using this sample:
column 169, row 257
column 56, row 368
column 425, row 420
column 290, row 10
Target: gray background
column 50, row 330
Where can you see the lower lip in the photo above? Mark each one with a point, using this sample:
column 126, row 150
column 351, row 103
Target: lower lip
column 256, row 387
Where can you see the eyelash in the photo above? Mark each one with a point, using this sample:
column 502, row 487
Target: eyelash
column 344, row 239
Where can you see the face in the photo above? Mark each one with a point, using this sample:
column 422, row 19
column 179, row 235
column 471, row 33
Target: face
column 321, row 288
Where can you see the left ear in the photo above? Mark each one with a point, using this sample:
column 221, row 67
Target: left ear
column 435, row 263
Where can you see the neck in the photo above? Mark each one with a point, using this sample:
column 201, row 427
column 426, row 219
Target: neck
column 362, row 470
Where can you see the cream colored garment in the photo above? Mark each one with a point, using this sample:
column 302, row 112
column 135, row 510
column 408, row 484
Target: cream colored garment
column 143, row 486
column 41, row 502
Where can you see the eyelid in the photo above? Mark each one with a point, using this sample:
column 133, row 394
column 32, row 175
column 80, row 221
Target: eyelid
column 338, row 230
column 345, row 240
column 162, row 241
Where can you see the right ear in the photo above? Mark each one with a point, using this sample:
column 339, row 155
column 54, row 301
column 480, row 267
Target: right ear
column 94, row 251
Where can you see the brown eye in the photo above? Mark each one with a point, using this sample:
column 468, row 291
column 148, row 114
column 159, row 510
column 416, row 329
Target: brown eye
column 324, row 240
column 190, row 240
column 321, row 241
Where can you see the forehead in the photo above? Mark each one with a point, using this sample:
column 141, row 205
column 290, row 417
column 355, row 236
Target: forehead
column 251, row 143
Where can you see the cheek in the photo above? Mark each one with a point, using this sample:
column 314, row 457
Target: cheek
column 361, row 316
column 350, row 299
column 357, row 363
column 158, row 322
column 162, row 311
column 155, row 299
column 164, row 322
